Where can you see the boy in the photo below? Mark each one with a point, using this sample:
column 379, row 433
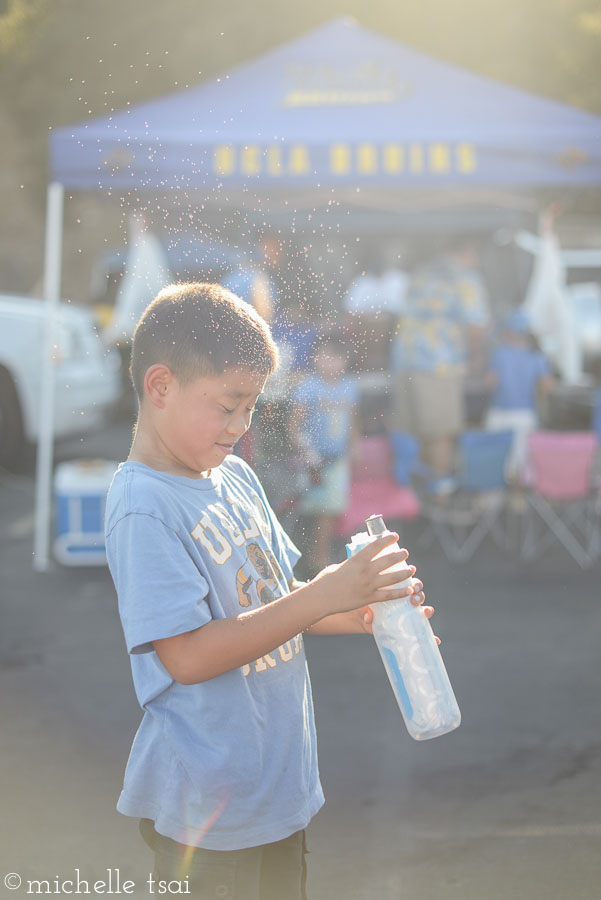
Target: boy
column 223, row 769
column 325, row 427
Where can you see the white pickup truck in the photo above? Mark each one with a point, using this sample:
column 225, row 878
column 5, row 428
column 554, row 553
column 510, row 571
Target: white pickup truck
column 87, row 378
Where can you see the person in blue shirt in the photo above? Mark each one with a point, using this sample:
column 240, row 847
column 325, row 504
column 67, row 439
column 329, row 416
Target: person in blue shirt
column 518, row 375
column 223, row 772
column 248, row 281
column 325, row 429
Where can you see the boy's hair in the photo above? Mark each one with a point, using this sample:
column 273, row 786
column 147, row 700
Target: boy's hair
column 200, row 330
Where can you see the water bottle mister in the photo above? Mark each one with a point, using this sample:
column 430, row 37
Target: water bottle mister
column 410, row 654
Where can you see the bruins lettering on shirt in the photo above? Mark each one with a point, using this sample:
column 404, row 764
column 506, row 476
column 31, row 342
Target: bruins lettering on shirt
column 260, row 578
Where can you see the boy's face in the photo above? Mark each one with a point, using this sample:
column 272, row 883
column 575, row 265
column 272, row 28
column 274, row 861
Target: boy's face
column 200, row 422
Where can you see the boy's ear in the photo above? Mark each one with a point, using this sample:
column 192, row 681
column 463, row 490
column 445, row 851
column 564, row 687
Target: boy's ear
column 158, row 381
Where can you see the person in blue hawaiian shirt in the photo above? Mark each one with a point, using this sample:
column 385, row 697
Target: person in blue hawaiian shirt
column 439, row 342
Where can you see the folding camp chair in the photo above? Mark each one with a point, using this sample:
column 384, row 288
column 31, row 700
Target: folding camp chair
column 462, row 519
column 563, row 500
column 374, row 489
column 406, row 461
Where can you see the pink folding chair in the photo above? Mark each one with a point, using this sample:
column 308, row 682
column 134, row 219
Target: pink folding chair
column 375, row 490
column 563, row 500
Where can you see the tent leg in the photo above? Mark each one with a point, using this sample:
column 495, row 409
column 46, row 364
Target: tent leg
column 44, row 460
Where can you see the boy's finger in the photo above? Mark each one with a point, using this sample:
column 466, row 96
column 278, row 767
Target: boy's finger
column 383, row 540
column 382, row 594
column 393, row 559
column 390, row 578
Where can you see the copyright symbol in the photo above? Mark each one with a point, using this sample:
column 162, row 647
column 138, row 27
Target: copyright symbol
column 12, row 881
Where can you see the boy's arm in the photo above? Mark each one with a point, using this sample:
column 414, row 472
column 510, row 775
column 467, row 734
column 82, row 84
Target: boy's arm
column 340, row 623
column 225, row 644
column 357, row 621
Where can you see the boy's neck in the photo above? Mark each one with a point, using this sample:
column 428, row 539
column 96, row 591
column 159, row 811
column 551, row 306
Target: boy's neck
column 142, row 451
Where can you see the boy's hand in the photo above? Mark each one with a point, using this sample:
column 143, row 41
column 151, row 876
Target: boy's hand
column 361, row 580
column 417, row 599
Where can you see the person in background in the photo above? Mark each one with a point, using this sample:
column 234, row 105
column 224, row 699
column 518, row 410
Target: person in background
column 518, row 375
column 295, row 331
column 440, row 341
column 250, row 282
column 325, row 429
column 373, row 302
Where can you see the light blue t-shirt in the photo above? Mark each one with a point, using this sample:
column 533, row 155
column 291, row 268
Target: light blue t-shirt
column 519, row 369
column 231, row 762
column 329, row 407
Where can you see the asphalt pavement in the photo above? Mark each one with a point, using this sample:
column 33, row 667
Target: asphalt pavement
column 507, row 806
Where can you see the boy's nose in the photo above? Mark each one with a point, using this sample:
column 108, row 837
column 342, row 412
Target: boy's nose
column 238, row 425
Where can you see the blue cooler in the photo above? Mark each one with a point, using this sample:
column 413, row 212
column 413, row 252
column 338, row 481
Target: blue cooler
column 80, row 489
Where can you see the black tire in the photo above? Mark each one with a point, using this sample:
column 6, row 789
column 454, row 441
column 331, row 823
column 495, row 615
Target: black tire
column 12, row 438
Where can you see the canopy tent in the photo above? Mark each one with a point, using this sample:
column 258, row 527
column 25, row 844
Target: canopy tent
column 340, row 108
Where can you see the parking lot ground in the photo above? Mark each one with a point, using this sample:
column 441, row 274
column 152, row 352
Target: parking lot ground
column 506, row 806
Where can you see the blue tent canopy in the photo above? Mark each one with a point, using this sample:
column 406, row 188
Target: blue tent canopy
column 340, row 106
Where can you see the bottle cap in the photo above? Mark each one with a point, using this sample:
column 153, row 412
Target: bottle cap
column 376, row 525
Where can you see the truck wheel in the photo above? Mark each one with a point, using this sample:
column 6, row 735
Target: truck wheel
column 11, row 421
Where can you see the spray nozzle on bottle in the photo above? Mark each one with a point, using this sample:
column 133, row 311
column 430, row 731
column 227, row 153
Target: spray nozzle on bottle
column 376, row 525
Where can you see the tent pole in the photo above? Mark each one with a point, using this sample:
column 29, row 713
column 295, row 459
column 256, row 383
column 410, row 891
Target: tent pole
column 44, row 460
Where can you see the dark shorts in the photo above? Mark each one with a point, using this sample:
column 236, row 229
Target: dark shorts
column 269, row 872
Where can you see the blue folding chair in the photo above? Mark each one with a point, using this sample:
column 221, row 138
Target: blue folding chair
column 482, row 459
column 462, row 519
column 406, row 461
